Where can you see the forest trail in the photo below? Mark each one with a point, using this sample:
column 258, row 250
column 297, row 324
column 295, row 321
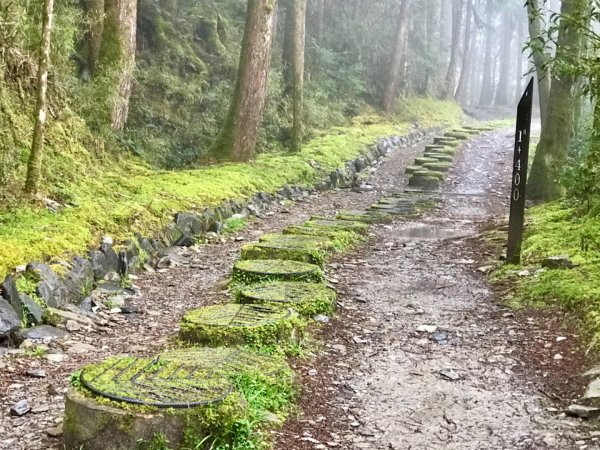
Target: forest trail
column 379, row 383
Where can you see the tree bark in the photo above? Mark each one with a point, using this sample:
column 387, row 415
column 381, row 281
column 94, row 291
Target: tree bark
column 519, row 43
column 299, row 28
column 94, row 10
column 288, row 48
column 461, row 89
column 502, row 94
column 487, row 84
column 551, row 154
column 34, row 166
column 457, row 13
column 433, row 7
column 121, row 22
column 238, row 137
column 540, row 58
column 396, row 59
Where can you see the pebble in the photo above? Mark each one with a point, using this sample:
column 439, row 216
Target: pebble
column 20, row 409
column 36, row 373
column 56, row 431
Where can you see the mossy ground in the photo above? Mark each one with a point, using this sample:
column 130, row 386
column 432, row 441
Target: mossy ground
column 119, row 197
column 553, row 230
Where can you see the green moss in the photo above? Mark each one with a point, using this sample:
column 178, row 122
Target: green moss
column 341, row 239
column 437, row 167
column 233, row 225
column 419, row 161
column 257, row 271
column 412, row 169
column 424, row 181
column 278, row 250
column 234, row 324
column 440, row 157
column 346, row 225
column 307, row 299
column 368, row 217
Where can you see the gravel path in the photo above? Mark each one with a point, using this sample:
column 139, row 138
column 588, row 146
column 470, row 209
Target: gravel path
column 379, row 383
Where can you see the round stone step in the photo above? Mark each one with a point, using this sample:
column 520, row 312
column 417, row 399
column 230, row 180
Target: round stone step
column 370, row 217
column 341, row 239
column 412, row 169
column 229, row 361
column 258, row 271
column 437, row 167
column 239, row 324
column 420, row 160
column 123, row 401
column 355, row 227
column 283, row 240
column 306, row 250
column 457, row 135
column 424, row 182
column 308, row 299
column 440, row 157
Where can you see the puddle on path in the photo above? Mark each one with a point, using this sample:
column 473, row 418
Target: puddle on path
column 425, row 231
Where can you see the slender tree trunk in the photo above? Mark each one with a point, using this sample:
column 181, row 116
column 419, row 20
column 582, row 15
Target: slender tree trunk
column 299, row 25
column 540, row 58
column 502, row 94
column 457, row 13
column 461, row 89
column 551, row 154
column 94, row 10
column 487, row 84
column 396, row 59
column 433, row 7
column 121, row 26
column 238, row 137
column 34, row 166
column 519, row 43
column 288, row 48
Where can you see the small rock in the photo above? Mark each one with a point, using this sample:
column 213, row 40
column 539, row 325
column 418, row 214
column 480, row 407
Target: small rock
column 557, row 262
column 561, row 338
column 593, row 389
column 449, row 374
column 56, row 357
column 56, row 431
column 80, row 348
column 71, row 325
column 427, row 328
column 558, row 357
column 20, row 409
column 585, row 412
column 312, row 372
column 340, row 348
column 321, row 318
column 36, row 373
column 594, row 371
column 359, row 340
column 524, row 273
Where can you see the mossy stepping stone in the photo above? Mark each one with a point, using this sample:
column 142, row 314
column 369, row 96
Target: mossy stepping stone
column 440, row 157
column 370, row 217
column 457, row 135
column 412, row 169
column 447, row 142
column 433, row 147
column 125, row 400
column 341, row 239
column 308, row 299
column 429, row 173
column 284, row 250
column 295, row 241
column 419, row 161
column 424, row 182
column 468, row 131
column 444, row 151
column 229, row 361
column 355, row 227
column 258, row 271
column 437, row 167
column 239, row 324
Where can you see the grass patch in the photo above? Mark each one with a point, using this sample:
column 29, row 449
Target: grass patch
column 233, row 225
column 552, row 230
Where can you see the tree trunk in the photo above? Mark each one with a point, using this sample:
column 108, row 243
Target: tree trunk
column 238, row 137
column 502, row 94
column 34, row 166
column 121, row 23
column 320, row 18
column 94, row 10
column 457, row 13
column 551, row 154
column 288, row 48
column 540, row 58
column 431, row 27
column 396, row 59
column 459, row 96
column 299, row 32
column 487, row 84
column 520, row 42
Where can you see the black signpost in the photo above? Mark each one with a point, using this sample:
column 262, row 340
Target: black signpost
column 519, row 179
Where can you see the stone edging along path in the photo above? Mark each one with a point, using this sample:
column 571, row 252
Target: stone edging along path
column 54, row 293
column 188, row 396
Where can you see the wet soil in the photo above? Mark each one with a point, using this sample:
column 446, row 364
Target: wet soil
column 480, row 380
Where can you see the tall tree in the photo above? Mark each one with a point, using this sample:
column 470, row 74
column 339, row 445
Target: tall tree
column 487, row 84
column 461, row 89
column 457, row 14
column 502, row 92
column 551, row 154
column 396, row 59
column 34, row 167
column 539, row 55
column 238, row 137
column 299, row 32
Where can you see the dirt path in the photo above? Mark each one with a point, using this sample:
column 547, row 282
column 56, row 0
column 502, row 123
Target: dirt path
column 379, row 385
column 422, row 357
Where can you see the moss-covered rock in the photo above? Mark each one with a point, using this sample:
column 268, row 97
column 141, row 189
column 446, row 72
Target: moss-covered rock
column 293, row 250
column 326, row 222
column 447, row 142
column 308, row 299
column 342, row 240
column 431, row 147
column 240, row 324
column 319, row 242
column 412, row 169
column 117, row 414
column 424, row 182
column 419, row 161
column 456, row 135
column 437, row 167
column 230, row 361
column 440, row 157
column 370, row 217
column 258, row 271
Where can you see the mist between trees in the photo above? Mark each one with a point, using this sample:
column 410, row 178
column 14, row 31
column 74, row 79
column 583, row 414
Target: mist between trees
column 182, row 83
